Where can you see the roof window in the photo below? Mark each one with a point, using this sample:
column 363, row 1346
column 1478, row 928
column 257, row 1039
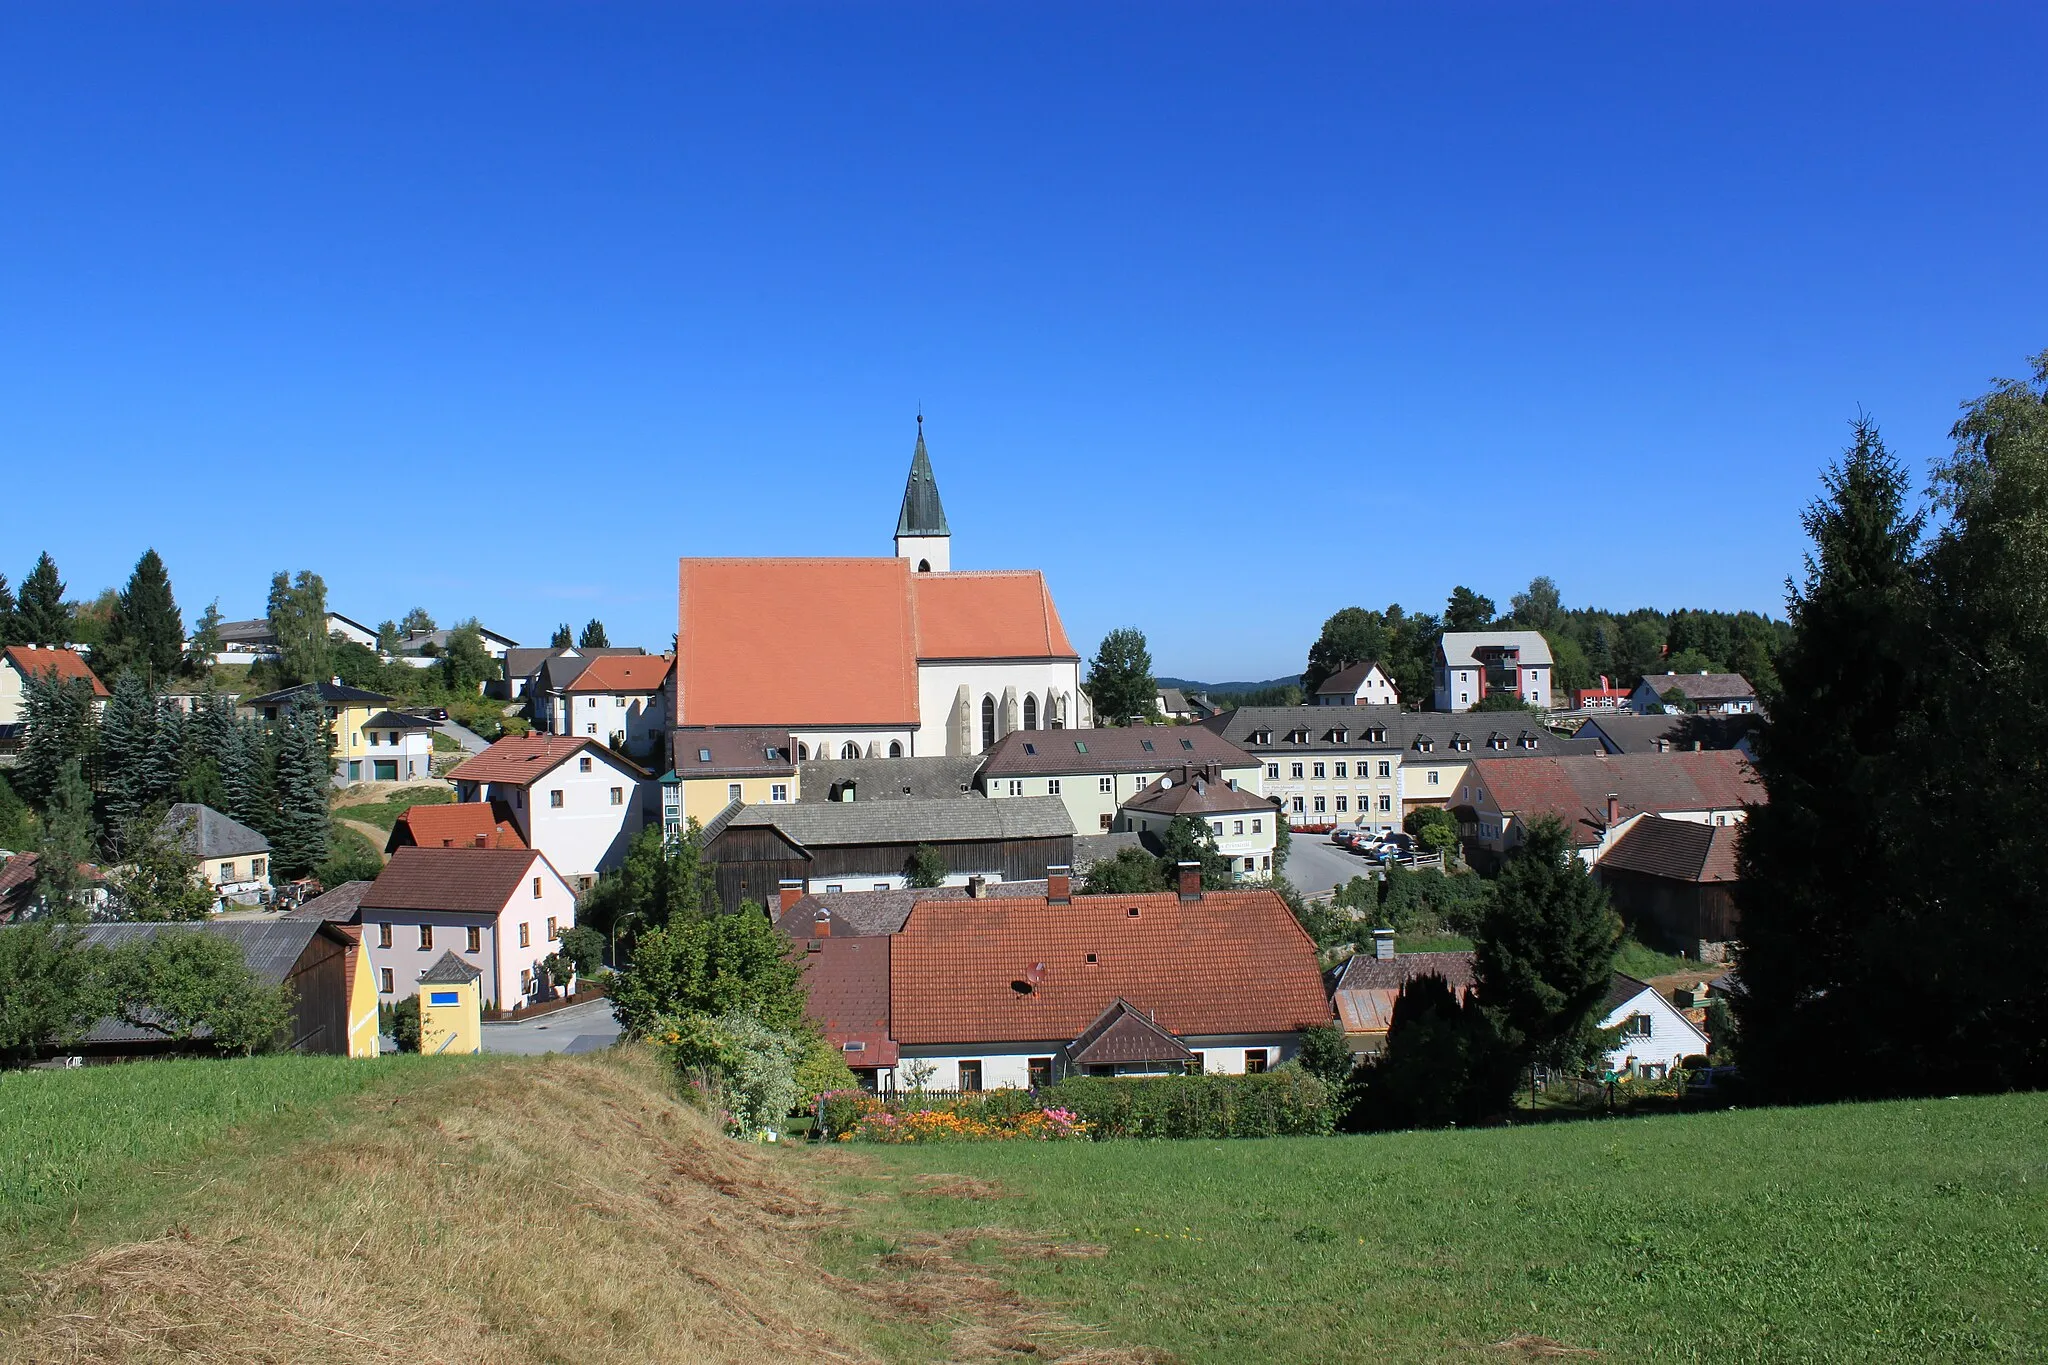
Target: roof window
column 1132, row 912
column 1187, row 744
column 703, row 755
column 1030, row 748
column 1147, row 745
column 1093, row 958
column 1022, row 987
column 1080, row 747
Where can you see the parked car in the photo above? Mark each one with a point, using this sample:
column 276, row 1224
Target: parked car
column 1344, row 836
column 1395, row 845
column 434, row 713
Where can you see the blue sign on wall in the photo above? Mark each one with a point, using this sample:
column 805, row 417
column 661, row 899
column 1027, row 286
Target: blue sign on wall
column 443, row 998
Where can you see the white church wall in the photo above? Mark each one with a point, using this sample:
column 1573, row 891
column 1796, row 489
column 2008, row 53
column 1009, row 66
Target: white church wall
column 1054, row 681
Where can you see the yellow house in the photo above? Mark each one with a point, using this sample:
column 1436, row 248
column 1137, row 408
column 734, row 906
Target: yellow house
column 234, row 859
column 715, row 768
column 451, row 1008
column 362, row 996
column 348, row 710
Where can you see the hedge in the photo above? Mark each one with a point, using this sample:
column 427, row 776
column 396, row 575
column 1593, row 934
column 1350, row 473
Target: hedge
column 1288, row 1102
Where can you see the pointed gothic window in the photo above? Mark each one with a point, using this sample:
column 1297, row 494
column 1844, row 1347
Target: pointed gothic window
column 849, row 750
column 924, row 566
column 1030, row 712
column 895, row 748
column 988, row 722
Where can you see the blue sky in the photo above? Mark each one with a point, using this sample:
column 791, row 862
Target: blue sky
column 1225, row 317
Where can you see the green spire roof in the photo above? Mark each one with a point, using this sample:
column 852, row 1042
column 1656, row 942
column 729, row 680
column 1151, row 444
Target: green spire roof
column 922, row 514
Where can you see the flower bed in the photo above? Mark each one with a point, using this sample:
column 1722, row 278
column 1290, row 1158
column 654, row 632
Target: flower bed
column 993, row 1116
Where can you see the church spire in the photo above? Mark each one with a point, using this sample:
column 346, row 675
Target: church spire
column 922, row 513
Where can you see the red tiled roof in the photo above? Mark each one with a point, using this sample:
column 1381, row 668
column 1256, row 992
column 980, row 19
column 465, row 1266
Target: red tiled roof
column 18, row 882
column 623, row 673
column 471, row 880
column 998, row 614
column 846, row 983
column 1231, row 962
column 752, row 634
column 524, row 759
column 1681, row 850
column 1575, row 788
column 461, row 825
column 48, row 659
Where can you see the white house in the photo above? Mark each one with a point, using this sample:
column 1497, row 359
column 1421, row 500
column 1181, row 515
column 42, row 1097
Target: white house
column 571, row 798
column 1022, row 991
column 1359, row 685
column 1598, row 798
column 19, row 662
column 875, row 658
column 1096, row 771
column 1243, row 823
column 397, row 747
column 1655, row 1036
column 1727, row 694
column 501, row 910
column 1472, row 665
column 620, row 700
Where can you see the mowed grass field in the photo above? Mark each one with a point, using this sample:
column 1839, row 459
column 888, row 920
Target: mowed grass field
column 1902, row 1231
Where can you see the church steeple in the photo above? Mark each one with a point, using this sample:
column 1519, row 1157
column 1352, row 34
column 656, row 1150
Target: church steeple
column 921, row 532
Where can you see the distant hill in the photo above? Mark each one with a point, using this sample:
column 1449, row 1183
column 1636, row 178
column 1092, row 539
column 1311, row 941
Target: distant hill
column 1229, row 689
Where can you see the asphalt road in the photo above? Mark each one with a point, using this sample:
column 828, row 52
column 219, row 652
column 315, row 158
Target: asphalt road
column 470, row 740
column 1314, row 864
column 579, row 1028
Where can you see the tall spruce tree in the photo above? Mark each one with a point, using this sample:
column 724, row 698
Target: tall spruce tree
column 127, row 743
column 62, row 887
column 8, row 624
column 59, row 734
column 146, row 631
column 563, row 638
column 1821, row 861
column 299, row 842
column 41, row 618
column 238, row 750
column 1543, row 958
column 593, row 635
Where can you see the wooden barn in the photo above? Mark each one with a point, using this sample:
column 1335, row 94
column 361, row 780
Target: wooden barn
column 1673, row 883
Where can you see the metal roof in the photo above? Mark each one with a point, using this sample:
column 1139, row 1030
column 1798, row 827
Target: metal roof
column 922, row 514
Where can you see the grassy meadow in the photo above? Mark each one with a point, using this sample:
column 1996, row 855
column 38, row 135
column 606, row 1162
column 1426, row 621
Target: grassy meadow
column 1903, row 1231
column 384, row 813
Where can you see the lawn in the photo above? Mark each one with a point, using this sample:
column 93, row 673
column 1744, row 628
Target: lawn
column 1904, row 1231
column 384, row 814
column 78, row 1137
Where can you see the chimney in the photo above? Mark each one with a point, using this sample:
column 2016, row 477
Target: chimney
column 977, row 888
column 792, row 889
column 483, row 841
column 1383, row 944
column 821, row 926
column 1613, row 810
column 1190, row 881
column 1059, row 884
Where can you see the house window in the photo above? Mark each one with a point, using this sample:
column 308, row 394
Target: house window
column 849, row 750
column 583, row 764
column 554, row 934
column 1052, row 786
column 732, row 791
column 1030, row 712
column 988, row 722
column 1297, row 805
column 1341, row 770
column 555, row 798
column 618, row 796
column 1107, row 820
column 526, row 982
column 1297, row 771
column 476, row 939
column 835, row 886
column 1343, row 803
column 373, row 739
column 895, row 748
column 778, row 791
column 385, row 984
column 536, row 888
column 618, row 701
column 1106, row 785
column 258, row 866
column 1237, row 826
column 1038, row 1071
column 227, row 872
column 970, row 1076
column 1386, row 768
column 1195, row 1061
column 1254, row 1060
column 426, row 936
column 1016, row 786
column 1258, row 825
column 1319, row 771
column 1320, row 806
column 1636, row 1026
column 526, row 935
column 1273, row 771
column 383, row 936
column 1216, row 827
column 1432, row 779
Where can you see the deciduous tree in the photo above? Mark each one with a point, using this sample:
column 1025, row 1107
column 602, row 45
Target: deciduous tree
column 1120, row 682
column 1352, row 635
column 298, row 619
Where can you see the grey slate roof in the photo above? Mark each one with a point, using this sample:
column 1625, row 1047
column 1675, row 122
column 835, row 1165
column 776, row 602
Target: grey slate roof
column 922, row 514
column 1348, row 729
column 1456, row 647
column 522, row 661
column 204, row 832
column 1090, row 849
column 890, row 779
column 911, row 821
column 1701, row 686
column 398, row 720
column 339, row 906
column 332, row 693
column 450, row 971
column 269, row 946
column 1624, row 732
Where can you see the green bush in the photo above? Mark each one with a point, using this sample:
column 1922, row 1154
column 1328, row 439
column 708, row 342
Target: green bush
column 1288, row 1102
column 403, row 1024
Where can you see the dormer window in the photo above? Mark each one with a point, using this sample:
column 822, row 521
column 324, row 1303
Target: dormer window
column 1341, row 736
column 1461, row 744
column 1376, row 735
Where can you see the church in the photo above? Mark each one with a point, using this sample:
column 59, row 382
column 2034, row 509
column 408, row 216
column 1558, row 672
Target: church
column 895, row 657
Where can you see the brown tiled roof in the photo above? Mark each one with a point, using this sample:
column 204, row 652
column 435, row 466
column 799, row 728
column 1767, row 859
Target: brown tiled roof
column 763, row 752
column 860, row 913
column 1195, row 791
column 623, row 673
column 751, row 633
column 1122, row 1033
column 846, row 987
column 469, row 880
column 44, row 660
column 1575, row 789
column 524, row 759
column 1681, row 850
column 465, row 824
column 1347, row 680
column 1367, row 986
column 1230, row 962
column 342, row 904
column 1701, row 686
column 1113, row 749
column 993, row 614
column 18, row 882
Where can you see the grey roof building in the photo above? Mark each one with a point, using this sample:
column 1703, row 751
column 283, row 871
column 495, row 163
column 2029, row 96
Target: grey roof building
column 203, row 832
column 937, row 778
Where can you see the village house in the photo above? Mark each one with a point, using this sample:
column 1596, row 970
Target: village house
column 715, row 768
column 20, row 662
column 501, row 910
column 1605, row 697
column 834, row 846
column 1474, row 665
column 1597, row 799
column 1656, row 1037
column 620, row 700
column 397, row 747
column 1175, row 704
column 1025, row 991
column 1363, row 684
column 1242, row 822
column 348, row 711
column 234, row 859
column 1673, row 883
column 461, row 824
column 1727, row 693
column 522, row 669
column 875, row 658
column 1095, row 771
column 570, row 797
column 1364, row 986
